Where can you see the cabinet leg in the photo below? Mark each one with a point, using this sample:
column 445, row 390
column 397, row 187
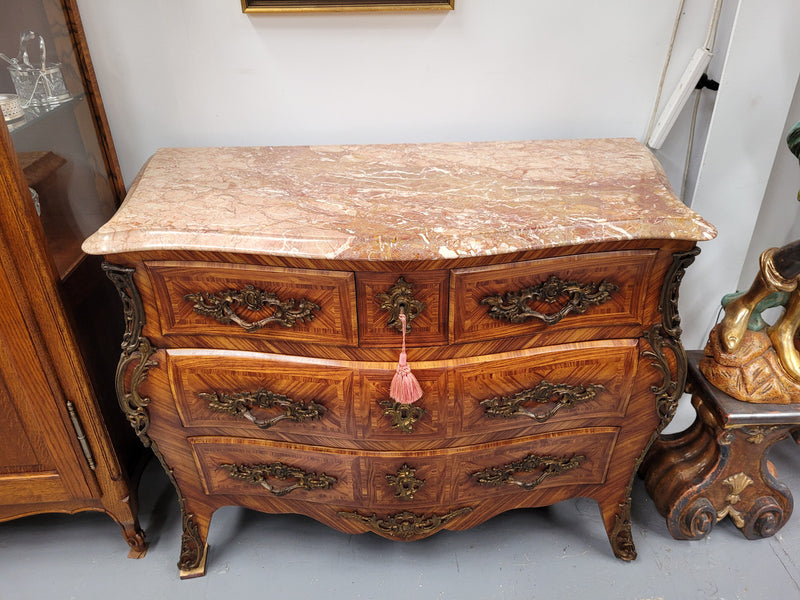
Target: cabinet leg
column 194, row 548
column 125, row 512
column 617, row 519
column 136, row 540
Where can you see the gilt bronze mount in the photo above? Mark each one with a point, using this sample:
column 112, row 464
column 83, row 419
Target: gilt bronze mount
column 221, row 306
column 561, row 395
column 263, row 475
column 513, row 306
column 242, row 404
column 405, row 525
column 135, row 360
column 504, row 475
column 403, row 416
column 404, row 482
column 399, row 299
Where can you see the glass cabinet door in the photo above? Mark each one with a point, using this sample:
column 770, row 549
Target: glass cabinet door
column 69, row 164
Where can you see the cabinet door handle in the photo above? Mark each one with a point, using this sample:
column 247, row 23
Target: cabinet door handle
column 260, row 475
column 550, row 466
column 242, row 404
column 221, row 307
column 513, row 306
column 560, row 395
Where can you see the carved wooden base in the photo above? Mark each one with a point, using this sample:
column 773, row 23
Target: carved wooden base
column 136, row 540
column 717, row 468
column 753, row 373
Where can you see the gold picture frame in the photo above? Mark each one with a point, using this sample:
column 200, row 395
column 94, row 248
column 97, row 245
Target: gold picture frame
column 275, row 6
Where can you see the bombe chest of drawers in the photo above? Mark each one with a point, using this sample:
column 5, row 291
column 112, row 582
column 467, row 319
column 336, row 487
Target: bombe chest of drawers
column 263, row 290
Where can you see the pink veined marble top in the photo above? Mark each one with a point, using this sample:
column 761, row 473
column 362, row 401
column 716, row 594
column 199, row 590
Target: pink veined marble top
column 398, row 202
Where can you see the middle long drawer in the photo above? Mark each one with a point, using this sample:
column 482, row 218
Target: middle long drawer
column 273, row 396
column 275, row 469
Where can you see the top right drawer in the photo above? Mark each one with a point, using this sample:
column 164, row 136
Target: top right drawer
column 576, row 293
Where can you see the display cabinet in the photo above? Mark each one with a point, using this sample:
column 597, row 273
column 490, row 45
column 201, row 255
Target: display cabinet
column 63, row 445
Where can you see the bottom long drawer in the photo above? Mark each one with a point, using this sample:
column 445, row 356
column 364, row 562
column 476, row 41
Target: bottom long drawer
column 238, row 466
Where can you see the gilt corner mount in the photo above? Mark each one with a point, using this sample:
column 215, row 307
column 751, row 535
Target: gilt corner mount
column 276, row 6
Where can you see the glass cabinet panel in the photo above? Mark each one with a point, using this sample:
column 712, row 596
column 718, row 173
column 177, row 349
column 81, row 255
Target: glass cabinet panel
column 52, row 123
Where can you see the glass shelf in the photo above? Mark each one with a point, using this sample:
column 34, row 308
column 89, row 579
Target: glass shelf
column 38, row 113
column 66, row 162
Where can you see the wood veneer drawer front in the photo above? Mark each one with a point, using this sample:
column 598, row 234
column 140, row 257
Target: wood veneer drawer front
column 256, row 394
column 381, row 418
column 275, row 470
column 546, row 385
column 406, row 479
column 563, row 293
column 526, row 465
column 424, row 297
column 197, row 298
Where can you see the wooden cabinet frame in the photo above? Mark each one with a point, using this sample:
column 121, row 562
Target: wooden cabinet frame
column 50, row 384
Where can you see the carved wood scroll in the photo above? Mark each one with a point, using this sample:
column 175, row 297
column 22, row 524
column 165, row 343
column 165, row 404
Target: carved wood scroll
column 513, row 306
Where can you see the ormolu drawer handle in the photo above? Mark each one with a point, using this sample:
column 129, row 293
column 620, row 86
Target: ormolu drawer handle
column 403, row 416
column 241, row 405
column 220, row 306
column 406, row 524
column 504, row 475
column 261, row 474
column 513, row 306
column 399, row 299
column 561, row 395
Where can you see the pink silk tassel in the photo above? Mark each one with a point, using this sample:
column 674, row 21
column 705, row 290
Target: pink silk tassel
column 405, row 388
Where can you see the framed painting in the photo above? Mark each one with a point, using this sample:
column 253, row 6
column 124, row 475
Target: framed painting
column 267, row 6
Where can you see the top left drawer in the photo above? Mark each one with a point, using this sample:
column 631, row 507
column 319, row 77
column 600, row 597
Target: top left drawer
column 250, row 301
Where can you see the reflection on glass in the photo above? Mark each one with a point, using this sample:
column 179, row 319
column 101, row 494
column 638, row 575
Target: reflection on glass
column 56, row 139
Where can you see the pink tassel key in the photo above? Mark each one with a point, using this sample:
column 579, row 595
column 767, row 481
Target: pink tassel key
column 405, row 388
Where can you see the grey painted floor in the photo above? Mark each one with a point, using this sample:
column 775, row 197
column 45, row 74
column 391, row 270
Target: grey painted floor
column 556, row 552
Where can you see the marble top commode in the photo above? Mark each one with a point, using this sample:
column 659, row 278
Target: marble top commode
column 398, row 202
column 266, row 290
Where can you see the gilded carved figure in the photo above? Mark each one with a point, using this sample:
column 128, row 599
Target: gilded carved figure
column 745, row 356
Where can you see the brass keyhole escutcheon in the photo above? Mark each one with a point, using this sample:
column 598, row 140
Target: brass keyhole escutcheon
column 399, row 299
column 403, row 416
column 404, row 482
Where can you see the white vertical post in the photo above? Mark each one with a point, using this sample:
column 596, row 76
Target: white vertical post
column 746, row 130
